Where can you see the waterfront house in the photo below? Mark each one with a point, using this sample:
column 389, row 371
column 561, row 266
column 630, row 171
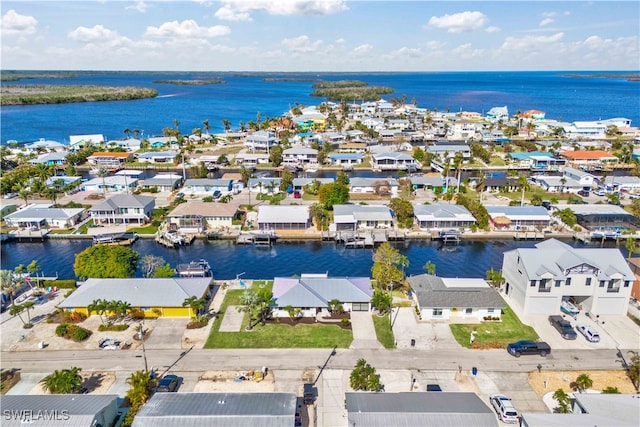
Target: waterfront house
column 108, row 160
column 571, row 181
column 57, row 158
column 123, row 209
column 498, row 113
column 157, row 142
column 61, row 181
column 361, row 217
column 593, row 129
column 426, row 409
column 394, row 161
column 299, row 156
column 537, row 160
column 198, row 217
column 218, row 410
column 604, row 217
column 379, row 186
column 312, row 293
column 251, row 160
column 455, row 298
column 50, row 410
column 261, row 140
column 442, row 216
column 589, row 159
column 6, row 209
column 45, row 144
column 428, row 182
column 207, row 186
column 76, row 142
column 518, row 218
column 265, row 185
column 162, row 182
column 345, row 159
column 598, row 280
column 622, row 183
column 447, row 152
column 462, row 130
column 157, row 157
column 149, row 296
column 37, row 216
column 353, row 147
column 111, row 184
column 299, row 184
column 282, row 218
column 129, row 144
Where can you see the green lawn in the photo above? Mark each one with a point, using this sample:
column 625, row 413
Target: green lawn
column 273, row 335
column 383, row 331
column 149, row 229
column 494, row 334
column 497, row 161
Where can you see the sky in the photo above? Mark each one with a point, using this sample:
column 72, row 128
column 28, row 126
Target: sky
column 319, row 35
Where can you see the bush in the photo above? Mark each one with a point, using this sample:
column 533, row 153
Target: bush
column 62, row 329
column 74, row 316
column 60, row 284
column 198, row 322
column 345, row 322
column 72, row 332
column 116, row 328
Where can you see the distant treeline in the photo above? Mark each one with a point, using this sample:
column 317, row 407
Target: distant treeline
column 628, row 77
column 216, row 81
column 346, row 90
column 288, row 79
column 14, row 76
column 64, row 94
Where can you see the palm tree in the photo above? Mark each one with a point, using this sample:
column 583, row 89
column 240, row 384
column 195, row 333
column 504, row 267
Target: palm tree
column 631, row 247
column 28, row 306
column 141, row 388
column 206, row 126
column 583, row 382
column 430, row 267
column 8, row 284
column 227, row 125
column 197, row 305
column 98, row 306
column 103, row 173
column 523, row 182
column 65, row 381
column 33, row 268
column 563, row 401
column 16, row 310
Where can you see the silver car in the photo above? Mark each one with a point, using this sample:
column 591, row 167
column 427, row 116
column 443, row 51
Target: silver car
column 504, row 408
column 589, row 333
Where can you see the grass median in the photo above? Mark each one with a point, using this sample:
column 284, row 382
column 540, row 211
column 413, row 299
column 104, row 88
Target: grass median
column 383, row 331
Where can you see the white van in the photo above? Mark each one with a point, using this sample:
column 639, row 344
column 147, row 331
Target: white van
column 589, row 333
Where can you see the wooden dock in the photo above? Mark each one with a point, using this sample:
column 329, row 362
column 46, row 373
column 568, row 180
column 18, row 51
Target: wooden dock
column 528, row 235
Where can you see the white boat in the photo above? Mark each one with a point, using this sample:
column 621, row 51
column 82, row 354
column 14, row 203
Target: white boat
column 199, row 268
column 569, row 308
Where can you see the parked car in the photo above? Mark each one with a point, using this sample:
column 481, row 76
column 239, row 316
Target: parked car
column 564, row 327
column 433, row 387
column 168, row 383
column 504, row 408
column 600, row 193
column 217, row 194
column 584, row 193
column 528, row 347
column 589, row 333
column 180, row 196
column 297, row 195
column 634, row 196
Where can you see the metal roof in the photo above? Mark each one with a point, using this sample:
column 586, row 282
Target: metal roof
column 437, row 292
column 519, row 212
column 424, row 409
column 33, row 212
column 600, row 209
column 124, row 201
column 67, row 410
column 369, row 182
column 318, row 291
column 166, row 292
column 205, row 209
column 218, row 409
column 442, row 211
column 283, row 214
column 353, row 213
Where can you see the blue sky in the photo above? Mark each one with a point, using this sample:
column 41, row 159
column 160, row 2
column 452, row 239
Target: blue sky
column 320, row 35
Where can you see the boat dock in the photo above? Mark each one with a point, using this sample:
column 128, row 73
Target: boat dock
column 123, row 239
column 256, row 239
column 528, row 235
column 173, row 239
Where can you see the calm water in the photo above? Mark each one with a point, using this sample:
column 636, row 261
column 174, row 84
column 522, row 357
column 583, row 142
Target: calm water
column 243, row 96
column 469, row 259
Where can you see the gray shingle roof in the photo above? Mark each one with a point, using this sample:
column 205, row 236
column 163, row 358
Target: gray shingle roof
column 124, row 201
column 436, row 292
column 418, row 409
column 169, row 292
column 218, row 409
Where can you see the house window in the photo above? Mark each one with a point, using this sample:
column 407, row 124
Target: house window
column 437, row 312
column 588, row 281
column 490, row 310
column 626, row 283
column 602, row 283
column 558, row 282
column 568, row 281
column 468, row 311
column 533, row 283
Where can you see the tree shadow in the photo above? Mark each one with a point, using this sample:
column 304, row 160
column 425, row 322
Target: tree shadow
column 91, row 383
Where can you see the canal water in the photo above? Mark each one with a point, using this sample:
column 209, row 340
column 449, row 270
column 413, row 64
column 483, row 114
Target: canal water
column 470, row 258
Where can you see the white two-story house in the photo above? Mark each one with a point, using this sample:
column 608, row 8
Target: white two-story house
column 598, row 280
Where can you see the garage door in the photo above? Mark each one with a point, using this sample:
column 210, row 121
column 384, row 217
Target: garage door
column 615, row 306
column 360, row 306
column 540, row 305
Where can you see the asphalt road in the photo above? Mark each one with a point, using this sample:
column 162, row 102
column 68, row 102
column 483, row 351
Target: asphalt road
column 198, row 360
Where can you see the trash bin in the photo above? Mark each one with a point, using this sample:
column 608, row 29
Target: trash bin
column 474, row 371
column 413, row 342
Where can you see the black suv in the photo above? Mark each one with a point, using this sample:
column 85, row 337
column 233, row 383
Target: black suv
column 564, row 327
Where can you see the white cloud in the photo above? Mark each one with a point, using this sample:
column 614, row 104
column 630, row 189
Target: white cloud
column 97, row 34
column 492, row 29
column 362, row 49
column 467, row 51
column 301, row 44
column 527, row 43
column 459, row 22
column 435, row 44
column 240, row 10
column 140, row 6
column 186, row 29
column 546, row 21
column 14, row 24
column 411, row 52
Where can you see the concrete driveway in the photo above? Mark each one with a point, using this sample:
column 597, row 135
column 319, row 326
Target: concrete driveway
column 427, row 335
column 364, row 333
column 167, row 333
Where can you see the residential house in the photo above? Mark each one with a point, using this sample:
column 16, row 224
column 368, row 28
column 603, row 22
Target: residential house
column 44, row 144
column 149, row 296
column 455, row 298
column 299, row 184
column 157, row 157
column 571, row 181
column 130, row 144
column 111, row 184
column 630, row 184
column 51, row 410
column 589, row 158
column 312, row 293
column 157, row 142
column 162, row 182
column 634, row 264
column 76, row 142
column 346, row 159
column 425, row 409
column 604, row 217
column 206, row 186
column 251, row 160
column 494, row 184
column 519, row 218
column 532, row 115
column 261, row 140
column 299, row 156
column 57, row 158
column 498, row 113
column 537, row 160
column 447, row 152
column 59, row 182
column 218, row 410
column 123, row 209
column 590, row 409
column 6, row 209
column 379, row 186
column 462, row 130
column 394, row 161
column 282, row 218
column 108, row 160
column 198, row 217
column 265, row 185
column 597, row 279
column 37, row 216
column 585, row 179
column 442, row 216
column 359, row 217
column 593, row 129
column 353, row 147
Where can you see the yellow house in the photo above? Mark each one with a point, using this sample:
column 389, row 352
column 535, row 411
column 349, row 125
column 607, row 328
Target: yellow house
column 153, row 297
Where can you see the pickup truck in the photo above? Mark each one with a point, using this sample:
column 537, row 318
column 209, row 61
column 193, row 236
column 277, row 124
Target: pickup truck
column 564, row 327
column 528, row 347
